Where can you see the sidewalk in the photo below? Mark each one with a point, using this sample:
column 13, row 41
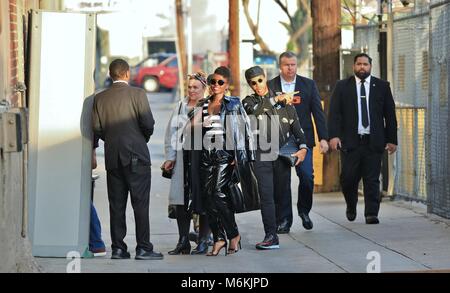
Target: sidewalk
column 406, row 240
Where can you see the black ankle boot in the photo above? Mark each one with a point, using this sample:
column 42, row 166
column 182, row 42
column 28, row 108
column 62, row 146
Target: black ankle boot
column 202, row 247
column 183, row 247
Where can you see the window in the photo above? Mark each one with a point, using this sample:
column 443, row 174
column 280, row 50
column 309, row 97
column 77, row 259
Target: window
column 173, row 63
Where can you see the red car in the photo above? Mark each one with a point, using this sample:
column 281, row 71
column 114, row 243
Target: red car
column 156, row 72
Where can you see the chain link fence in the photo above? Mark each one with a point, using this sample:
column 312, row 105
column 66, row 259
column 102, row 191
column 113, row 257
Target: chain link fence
column 420, row 88
column 439, row 139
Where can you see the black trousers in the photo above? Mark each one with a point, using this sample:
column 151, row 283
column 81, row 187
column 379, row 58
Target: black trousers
column 137, row 182
column 282, row 190
column 215, row 175
column 366, row 164
column 270, row 192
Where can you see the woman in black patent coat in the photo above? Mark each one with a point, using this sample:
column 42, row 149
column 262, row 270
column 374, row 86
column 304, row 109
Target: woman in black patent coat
column 227, row 154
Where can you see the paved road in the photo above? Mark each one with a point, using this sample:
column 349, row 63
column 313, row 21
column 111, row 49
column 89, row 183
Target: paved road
column 406, row 240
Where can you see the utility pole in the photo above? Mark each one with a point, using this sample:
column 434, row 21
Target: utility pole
column 181, row 46
column 326, row 17
column 386, row 71
column 234, row 44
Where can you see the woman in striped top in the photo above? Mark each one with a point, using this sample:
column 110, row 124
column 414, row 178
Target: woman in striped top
column 217, row 165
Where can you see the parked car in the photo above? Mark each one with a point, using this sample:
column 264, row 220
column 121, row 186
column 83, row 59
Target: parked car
column 156, row 72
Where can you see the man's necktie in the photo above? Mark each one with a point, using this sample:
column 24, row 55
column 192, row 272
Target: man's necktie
column 364, row 113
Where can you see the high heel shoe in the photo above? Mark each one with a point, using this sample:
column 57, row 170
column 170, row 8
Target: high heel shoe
column 183, row 247
column 235, row 250
column 225, row 245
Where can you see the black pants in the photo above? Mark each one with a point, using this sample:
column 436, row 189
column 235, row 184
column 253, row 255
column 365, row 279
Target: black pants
column 270, row 192
column 282, row 189
column 366, row 164
column 122, row 181
column 215, row 175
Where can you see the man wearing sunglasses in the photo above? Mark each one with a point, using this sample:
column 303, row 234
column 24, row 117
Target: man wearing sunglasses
column 308, row 105
column 272, row 173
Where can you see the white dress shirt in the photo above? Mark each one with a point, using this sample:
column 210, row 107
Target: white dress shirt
column 288, row 87
column 120, row 81
column 361, row 129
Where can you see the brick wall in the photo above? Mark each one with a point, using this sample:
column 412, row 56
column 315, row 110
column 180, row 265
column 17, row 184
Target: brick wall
column 14, row 49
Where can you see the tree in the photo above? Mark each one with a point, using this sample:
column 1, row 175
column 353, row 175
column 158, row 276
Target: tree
column 298, row 27
column 254, row 27
column 351, row 9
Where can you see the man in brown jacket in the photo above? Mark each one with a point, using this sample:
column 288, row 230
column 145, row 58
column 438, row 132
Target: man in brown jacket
column 122, row 118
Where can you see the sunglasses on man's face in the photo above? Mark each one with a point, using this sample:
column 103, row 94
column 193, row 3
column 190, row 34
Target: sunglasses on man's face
column 254, row 83
column 219, row 82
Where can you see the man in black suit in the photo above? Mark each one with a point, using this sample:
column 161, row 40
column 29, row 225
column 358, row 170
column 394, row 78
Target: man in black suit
column 122, row 118
column 308, row 105
column 362, row 124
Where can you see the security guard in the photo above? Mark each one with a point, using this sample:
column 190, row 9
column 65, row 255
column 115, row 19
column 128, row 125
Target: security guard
column 276, row 122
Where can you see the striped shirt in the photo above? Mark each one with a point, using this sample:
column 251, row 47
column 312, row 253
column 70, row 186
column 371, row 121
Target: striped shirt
column 213, row 130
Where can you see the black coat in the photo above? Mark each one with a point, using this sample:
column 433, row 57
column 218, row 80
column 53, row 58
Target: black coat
column 288, row 118
column 123, row 120
column 309, row 107
column 343, row 115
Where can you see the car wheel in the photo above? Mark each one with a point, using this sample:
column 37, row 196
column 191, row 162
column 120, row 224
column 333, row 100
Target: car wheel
column 151, row 84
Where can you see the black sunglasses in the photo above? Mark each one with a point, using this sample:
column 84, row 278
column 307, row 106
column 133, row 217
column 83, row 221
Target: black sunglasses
column 260, row 81
column 219, row 82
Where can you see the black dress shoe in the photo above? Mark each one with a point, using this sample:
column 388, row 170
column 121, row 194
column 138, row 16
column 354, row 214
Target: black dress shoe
column 307, row 223
column 372, row 220
column 284, row 228
column 351, row 214
column 148, row 255
column 120, row 254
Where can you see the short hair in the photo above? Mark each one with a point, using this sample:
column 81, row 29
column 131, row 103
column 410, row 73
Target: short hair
column 118, row 68
column 254, row 72
column 362, row 55
column 210, row 77
column 288, row 55
column 225, row 72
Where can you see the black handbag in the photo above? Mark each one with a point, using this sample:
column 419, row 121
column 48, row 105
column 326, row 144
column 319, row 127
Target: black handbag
column 248, row 201
column 287, row 150
column 237, row 198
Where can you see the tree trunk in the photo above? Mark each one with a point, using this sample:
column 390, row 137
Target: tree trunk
column 234, row 47
column 326, row 44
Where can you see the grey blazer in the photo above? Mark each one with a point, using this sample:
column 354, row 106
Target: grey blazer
column 122, row 118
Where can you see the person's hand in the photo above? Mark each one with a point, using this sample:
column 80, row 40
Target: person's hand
column 324, row 147
column 335, row 144
column 391, row 148
column 284, row 98
column 168, row 165
column 301, row 155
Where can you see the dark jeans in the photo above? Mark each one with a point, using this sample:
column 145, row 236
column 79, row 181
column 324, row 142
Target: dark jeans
column 215, row 175
column 95, row 228
column 95, row 231
column 366, row 164
column 137, row 182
